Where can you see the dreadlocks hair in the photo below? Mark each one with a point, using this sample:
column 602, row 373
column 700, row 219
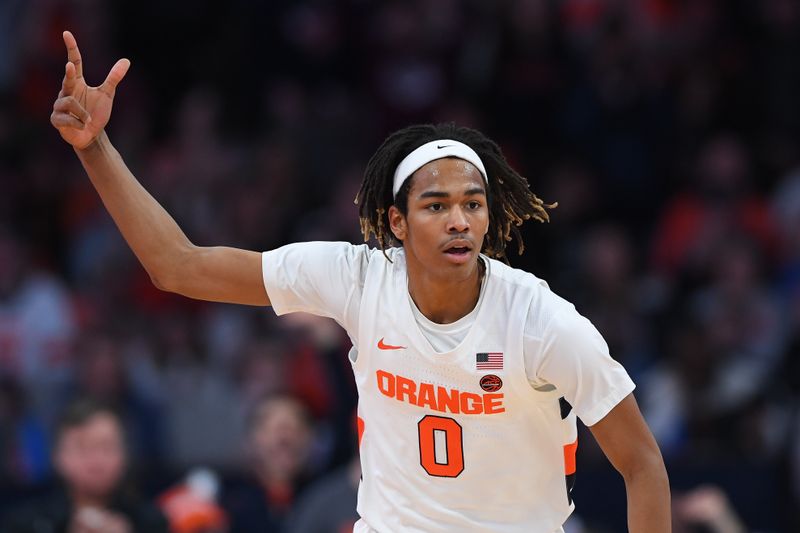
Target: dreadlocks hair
column 510, row 201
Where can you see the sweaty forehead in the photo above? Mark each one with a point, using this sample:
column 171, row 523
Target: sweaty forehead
column 447, row 173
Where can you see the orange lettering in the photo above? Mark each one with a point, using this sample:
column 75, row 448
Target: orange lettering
column 439, row 399
column 471, row 408
column 407, row 387
column 493, row 403
column 427, row 397
column 448, row 402
column 385, row 383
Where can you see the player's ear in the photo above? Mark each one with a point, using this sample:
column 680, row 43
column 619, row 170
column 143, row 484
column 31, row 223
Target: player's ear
column 398, row 223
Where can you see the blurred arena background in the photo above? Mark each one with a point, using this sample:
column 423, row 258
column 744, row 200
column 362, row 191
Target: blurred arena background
column 667, row 130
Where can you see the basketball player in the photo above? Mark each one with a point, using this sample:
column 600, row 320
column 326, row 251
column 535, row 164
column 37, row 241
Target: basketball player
column 470, row 373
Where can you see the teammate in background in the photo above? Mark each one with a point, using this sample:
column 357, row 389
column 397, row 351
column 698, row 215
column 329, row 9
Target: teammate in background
column 470, row 373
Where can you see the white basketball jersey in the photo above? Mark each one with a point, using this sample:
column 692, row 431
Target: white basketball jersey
column 479, row 438
column 457, row 441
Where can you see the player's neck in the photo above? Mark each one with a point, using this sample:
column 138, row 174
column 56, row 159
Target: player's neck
column 444, row 300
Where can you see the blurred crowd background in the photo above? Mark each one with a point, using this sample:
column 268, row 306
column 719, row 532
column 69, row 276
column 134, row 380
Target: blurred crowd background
column 667, row 130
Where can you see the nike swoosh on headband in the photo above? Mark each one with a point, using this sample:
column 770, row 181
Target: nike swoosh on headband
column 438, row 149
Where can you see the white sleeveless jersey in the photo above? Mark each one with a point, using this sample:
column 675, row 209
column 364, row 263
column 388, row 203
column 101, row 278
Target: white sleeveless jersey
column 458, row 441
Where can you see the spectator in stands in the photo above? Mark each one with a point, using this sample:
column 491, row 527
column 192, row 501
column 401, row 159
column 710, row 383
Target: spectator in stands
column 742, row 323
column 24, row 457
column 91, row 460
column 721, row 203
column 37, row 323
column 329, row 506
column 102, row 375
column 279, row 441
column 611, row 294
column 704, row 509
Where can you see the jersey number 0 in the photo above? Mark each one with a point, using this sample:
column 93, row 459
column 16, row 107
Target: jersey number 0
column 441, row 446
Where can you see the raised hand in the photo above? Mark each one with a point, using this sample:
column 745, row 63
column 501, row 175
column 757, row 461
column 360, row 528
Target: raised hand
column 81, row 112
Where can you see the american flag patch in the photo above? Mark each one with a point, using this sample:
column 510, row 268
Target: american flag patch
column 489, row 361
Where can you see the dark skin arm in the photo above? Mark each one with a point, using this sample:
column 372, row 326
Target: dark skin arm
column 628, row 443
column 175, row 264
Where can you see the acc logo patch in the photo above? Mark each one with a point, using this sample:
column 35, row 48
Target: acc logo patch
column 491, row 383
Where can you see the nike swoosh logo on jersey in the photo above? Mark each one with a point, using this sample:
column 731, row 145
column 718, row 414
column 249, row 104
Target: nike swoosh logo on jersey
column 439, row 147
column 383, row 346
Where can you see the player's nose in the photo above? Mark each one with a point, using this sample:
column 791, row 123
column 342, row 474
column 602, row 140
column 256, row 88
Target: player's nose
column 457, row 222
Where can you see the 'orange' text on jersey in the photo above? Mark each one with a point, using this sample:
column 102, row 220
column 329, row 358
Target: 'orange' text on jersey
column 438, row 398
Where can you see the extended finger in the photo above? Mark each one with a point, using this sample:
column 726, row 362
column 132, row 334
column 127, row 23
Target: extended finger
column 70, row 105
column 73, row 54
column 68, row 84
column 115, row 76
column 60, row 119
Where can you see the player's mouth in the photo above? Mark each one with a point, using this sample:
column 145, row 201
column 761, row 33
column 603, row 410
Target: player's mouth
column 458, row 251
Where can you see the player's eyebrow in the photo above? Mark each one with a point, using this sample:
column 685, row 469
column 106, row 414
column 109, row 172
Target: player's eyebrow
column 434, row 194
column 443, row 194
column 475, row 190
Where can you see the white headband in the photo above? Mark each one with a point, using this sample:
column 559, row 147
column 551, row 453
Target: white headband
column 431, row 152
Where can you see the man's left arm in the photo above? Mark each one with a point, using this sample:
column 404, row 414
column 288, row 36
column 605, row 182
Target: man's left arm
column 628, row 443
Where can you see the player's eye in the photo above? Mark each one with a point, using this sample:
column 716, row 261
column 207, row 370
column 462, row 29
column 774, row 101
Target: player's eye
column 435, row 207
column 474, row 205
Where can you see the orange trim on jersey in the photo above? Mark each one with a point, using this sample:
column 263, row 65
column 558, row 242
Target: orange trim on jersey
column 569, row 457
column 360, row 424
